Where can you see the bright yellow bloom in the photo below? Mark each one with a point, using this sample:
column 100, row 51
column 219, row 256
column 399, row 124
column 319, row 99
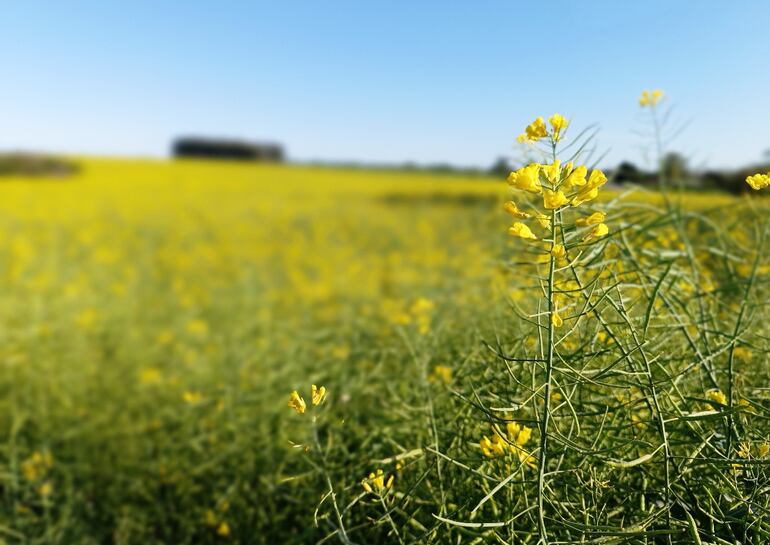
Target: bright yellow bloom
column 763, row 449
column 644, row 100
column 576, row 178
column 758, row 181
column 317, row 394
column 559, row 124
column 524, row 436
column 584, row 195
column 375, row 482
column 526, row 179
column 558, row 251
column 296, row 402
column 593, row 219
column 534, row 131
column 599, row 231
column 597, row 179
column 513, row 210
column 520, row 230
column 554, row 199
column 552, row 172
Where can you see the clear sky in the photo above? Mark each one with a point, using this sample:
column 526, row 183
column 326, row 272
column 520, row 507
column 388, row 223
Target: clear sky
column 388, row 81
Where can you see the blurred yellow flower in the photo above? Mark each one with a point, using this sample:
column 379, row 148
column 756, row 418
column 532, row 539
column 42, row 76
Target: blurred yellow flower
column 317, row 395
column 596, row 217
column 296, row 402
column 534, row 131
column 559, row 124
column 758, row 181
column 513, row 210
column 520, row 230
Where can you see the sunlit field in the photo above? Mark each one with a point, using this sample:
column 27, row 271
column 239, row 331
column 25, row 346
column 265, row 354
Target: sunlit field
column 156, row 316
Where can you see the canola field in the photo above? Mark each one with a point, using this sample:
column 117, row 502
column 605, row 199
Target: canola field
column 156, row 316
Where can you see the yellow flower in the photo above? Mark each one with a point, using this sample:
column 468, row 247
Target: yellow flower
column 554, row 199
column 523, row 436
column 597, row 179
column 559, row 124
column 558, row 251
column 317, row 394
column 593, row 219
column 576, row 177
column 45, row 489
column 599, row 231
column 758, row 181
column 552, row 172
column 544, row 221
column 192, row 397
column 763, row 449
column 223, row 529
column 534, row 131
column 650, row 98
column 716, row 396
column 520, row 230
column 526, row 178
column 513, row 210
column 584, row 195
column 441, row 373
column 376, row 483
column 556, row 320
column 296, row 402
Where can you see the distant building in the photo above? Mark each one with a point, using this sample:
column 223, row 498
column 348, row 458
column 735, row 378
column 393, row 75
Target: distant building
column 212, row 148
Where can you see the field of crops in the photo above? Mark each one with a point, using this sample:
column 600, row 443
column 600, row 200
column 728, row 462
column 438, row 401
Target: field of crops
column 155, row 317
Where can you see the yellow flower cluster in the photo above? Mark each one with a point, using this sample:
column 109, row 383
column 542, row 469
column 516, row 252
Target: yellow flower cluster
column 518, row 436
column 317, row 396
column 538, row 129
column 560, row 187
column 376, row 482
column 650, row 98
column 758, row 181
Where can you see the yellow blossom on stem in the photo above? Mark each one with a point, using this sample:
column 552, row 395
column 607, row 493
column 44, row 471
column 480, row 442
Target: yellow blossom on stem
column 559, row 124
column 554, row 199
column 520, row 230
column 758, row 181
column 558, row 251
column 526, row 178
column 534, row 131
column 599, row 231
column 593, row 219
column 552, row 172
column 296, row 402
column 513, row 210
column 576, row 177
column 317, row 395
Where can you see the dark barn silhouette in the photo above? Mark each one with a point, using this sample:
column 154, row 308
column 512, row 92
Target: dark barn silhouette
column 211, row 148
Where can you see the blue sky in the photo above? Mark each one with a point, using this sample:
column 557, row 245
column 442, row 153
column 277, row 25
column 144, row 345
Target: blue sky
column 381, row 81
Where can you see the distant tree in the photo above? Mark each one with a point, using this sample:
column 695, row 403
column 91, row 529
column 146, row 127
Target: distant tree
column 674, row 167
column 500, row 168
